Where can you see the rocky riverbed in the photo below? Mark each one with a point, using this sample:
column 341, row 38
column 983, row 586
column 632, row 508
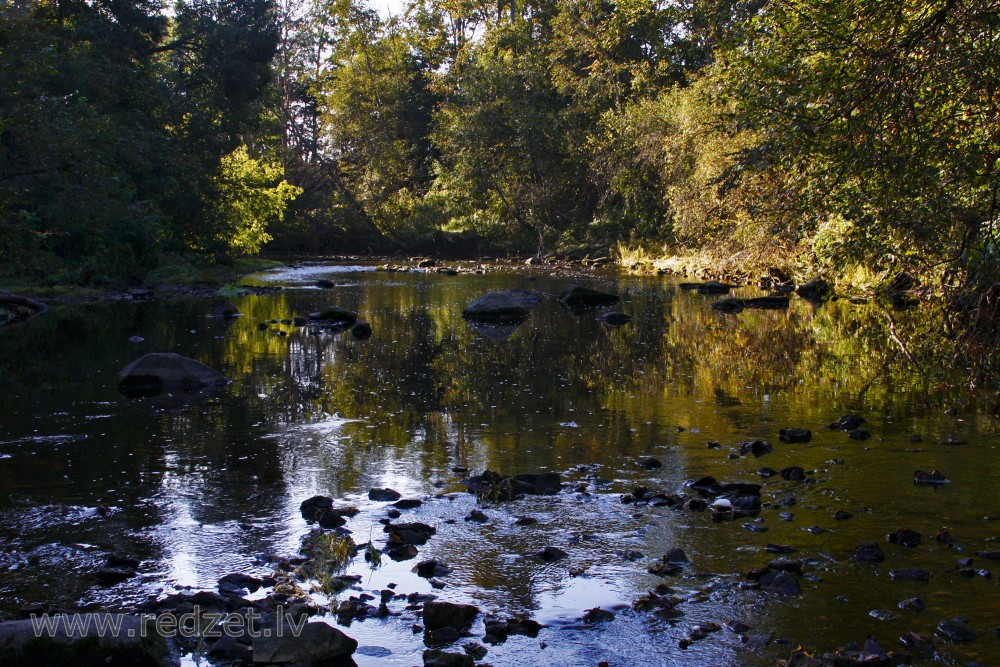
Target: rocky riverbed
column 678, row 483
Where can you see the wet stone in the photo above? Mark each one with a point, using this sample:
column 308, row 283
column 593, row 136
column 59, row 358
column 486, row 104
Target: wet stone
column 791, row 435
column 779, row 549
column 407, row 503
column 550, row 554
column 435, row 658
column 858, row 434
column 476, row 516
column 793, row 473
column 847, row 423
column 754, row 447
column 650, row 463
column 932, row 477
column 842, row 515
column 868, row 552
column 384, row 495
column 598, row 615
column 912, row 604
column 956, row 630
column 903, row 537
column 909, row 574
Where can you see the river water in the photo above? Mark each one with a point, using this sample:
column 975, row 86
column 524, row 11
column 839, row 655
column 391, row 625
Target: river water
column 202, row 490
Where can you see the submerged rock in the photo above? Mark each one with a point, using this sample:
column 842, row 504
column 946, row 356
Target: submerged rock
column 550, row 554
column 956, row 631
column 361, row 330
column 868, row 552
column 847, row 423
column 615, row 318
column 335, row 314
column 909, row 574
column 932, row 477
column 755, row 447
column 795, row 435
column 576, row 296
column 903, row 537
column 155, row 372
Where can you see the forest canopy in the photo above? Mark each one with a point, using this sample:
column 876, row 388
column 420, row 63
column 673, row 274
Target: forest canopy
column 856, row 138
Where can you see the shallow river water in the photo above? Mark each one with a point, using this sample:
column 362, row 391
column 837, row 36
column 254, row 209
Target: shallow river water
column 200, row 491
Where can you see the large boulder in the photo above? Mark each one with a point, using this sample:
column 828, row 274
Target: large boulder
column 316, row 643
column 449, row 615
column 510, row 306
column 86, row 640
column 150, row 374
column 584, row 297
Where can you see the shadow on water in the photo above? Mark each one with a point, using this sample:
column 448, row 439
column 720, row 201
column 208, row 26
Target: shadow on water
column 200, row 490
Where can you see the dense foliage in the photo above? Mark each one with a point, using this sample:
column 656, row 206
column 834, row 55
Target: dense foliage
column 855, row 137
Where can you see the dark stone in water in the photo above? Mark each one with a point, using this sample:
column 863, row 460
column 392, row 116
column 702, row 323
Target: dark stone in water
column 550, row 554
column 755, row 527
column 932, row 477
column 793, row 473
column 526, row 521
column 912, row 604
column 814, row 289
column 858, row 434
column 766, row 472
column 361, row 330
column 909, row 574
column 384, row 495
column 409, row 533
column 650, row 463
column 847, row 423
column 79, row 641
column 335, row 314
column 236, row 582
column 904, row 537
column 779, row 549
column 989, row 555
column 431, row 568
column 449, row 615
column 795, row 435
column 956, row 630
column 317, row 643
column 576, row 296
column 109, row 576
column 477, row 517
column 151, row 374
column 399, row 552
column 777, row 581
column 676, row 555
column 323, row 283
column 869, row 552
column 842, row 515
column 436, row 658
column 598, row 615
column 407, row 503
column 754, row 447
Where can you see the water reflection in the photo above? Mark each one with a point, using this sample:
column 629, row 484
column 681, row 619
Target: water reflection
column 210, row 488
